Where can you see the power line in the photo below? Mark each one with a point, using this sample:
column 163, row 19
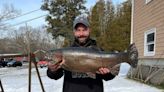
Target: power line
column 26, row 21
column 21, row 15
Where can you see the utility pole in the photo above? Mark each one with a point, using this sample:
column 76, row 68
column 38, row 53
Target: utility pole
column 29, row 59
column 37, row 71
column 2, row 90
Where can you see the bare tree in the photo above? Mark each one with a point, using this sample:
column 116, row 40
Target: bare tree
column 36, row 38
column 6, row 13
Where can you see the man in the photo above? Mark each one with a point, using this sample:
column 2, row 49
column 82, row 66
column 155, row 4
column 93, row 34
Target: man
column 81, row 82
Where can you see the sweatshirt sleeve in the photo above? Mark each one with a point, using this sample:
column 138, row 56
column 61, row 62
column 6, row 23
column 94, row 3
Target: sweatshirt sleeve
column 55, row 75
column 106, row 77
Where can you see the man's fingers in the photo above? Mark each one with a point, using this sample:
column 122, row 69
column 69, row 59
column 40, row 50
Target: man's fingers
column 100, row 71
column 62, row 62
column 54, row 67
column 106, row 70
column 103, row 71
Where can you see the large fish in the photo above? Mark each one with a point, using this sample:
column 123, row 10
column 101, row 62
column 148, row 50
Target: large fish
column 81, row 59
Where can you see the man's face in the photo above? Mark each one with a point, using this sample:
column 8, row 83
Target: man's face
column 81, row 33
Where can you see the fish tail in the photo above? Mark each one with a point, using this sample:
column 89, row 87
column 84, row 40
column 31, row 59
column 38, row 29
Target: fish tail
column 132, row 55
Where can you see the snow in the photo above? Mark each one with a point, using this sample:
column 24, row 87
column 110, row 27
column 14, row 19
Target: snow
column 16, row 80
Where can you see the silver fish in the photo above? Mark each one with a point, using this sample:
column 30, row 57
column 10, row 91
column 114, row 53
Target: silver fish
column 81, row 59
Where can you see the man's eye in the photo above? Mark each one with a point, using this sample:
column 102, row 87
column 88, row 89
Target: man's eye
column 78, row 30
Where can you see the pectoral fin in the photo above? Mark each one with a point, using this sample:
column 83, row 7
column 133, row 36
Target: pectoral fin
column 115, row 69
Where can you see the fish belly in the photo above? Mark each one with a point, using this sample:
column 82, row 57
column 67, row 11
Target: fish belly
column 82, row 64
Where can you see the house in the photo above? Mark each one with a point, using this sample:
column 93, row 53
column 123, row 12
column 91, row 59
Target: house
column 147, row 32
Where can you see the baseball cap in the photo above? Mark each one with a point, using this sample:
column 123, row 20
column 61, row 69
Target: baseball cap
column 81, row 19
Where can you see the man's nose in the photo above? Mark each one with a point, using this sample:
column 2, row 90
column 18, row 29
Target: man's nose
column 81, row 33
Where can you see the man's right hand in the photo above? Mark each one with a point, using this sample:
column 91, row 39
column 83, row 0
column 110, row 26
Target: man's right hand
column 55, row 67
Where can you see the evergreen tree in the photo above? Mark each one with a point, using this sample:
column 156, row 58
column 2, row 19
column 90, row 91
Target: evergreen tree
column 120, row 28
column 111, row 27
column 61, row 16
column 108, row 20
column 97, row 18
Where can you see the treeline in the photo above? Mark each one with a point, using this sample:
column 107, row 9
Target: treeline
column 110, row 24
column 25, row 39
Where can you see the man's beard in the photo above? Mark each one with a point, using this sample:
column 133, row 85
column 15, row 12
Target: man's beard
column 82, row 39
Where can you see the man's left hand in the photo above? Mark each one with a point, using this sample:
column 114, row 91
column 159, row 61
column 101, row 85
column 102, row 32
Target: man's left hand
column 103, row 71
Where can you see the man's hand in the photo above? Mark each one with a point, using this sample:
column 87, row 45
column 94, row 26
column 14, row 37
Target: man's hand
column 103, row 71
column 58, row 59
column 55, row 67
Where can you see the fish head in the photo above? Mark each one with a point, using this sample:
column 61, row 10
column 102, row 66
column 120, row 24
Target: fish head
column 56, row 56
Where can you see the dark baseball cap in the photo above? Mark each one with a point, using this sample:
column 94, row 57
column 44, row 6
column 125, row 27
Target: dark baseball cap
column 81, row 19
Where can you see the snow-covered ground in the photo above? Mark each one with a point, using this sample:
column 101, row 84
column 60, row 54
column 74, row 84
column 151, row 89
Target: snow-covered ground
column 16, row 80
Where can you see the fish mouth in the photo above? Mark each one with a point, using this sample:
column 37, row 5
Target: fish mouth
column 57, row 57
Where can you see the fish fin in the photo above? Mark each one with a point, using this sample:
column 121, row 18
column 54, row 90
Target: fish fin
column 133, row 55
column 115, row 69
